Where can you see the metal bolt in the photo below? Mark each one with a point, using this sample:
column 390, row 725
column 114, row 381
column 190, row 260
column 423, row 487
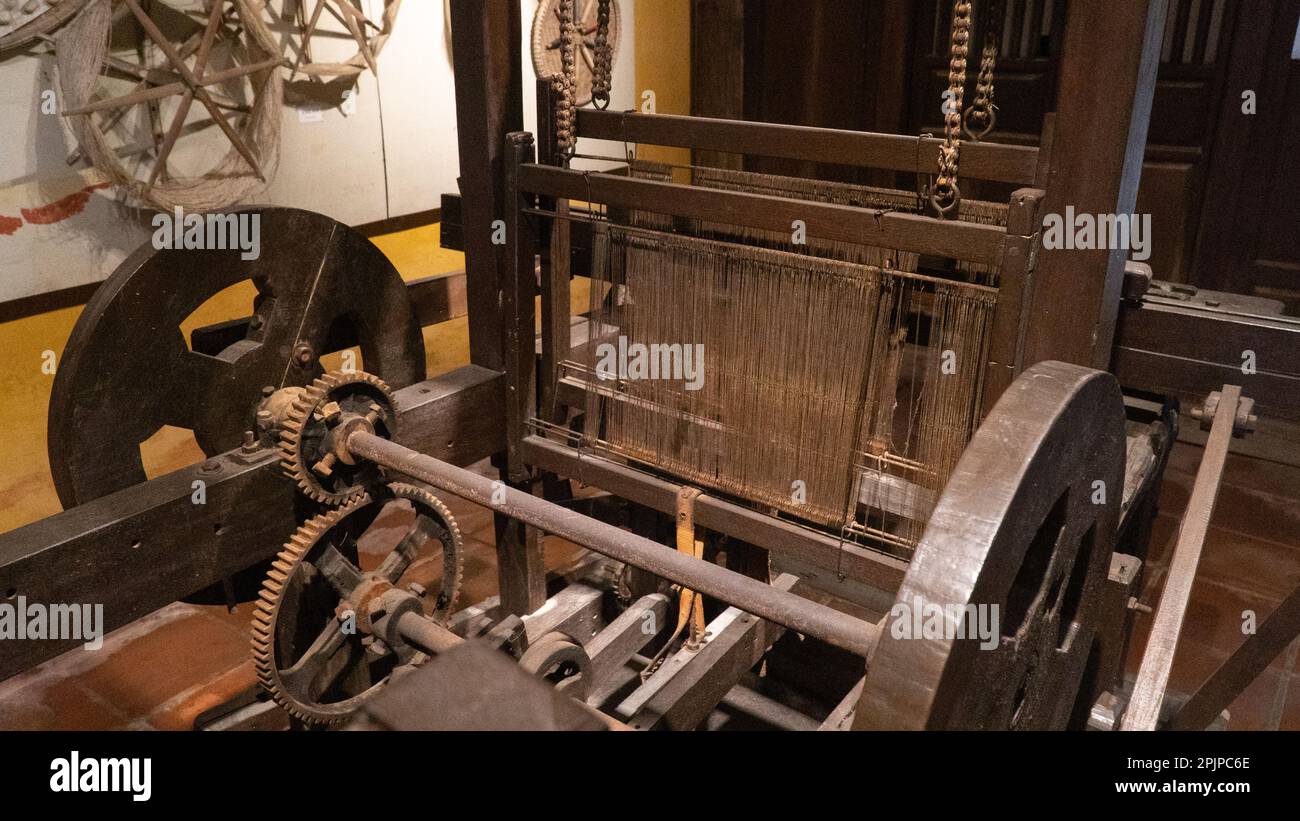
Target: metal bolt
column 417, row 589
column 264, row 419
column 267, row 390
column 302, row 354
column 211, row 466
column 255, row 322
column 250, row 442
column 1134, row 604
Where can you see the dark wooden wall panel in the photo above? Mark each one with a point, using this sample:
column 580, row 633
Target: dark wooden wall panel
column 881, row 65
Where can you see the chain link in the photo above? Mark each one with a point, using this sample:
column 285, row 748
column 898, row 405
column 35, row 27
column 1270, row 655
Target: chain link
column 944, row 194
column 978, row 120
column 602, row 69
column 566, row 82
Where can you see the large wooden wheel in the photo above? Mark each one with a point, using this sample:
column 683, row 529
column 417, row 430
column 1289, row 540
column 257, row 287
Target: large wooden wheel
column 127, row 370
column 1025, row 528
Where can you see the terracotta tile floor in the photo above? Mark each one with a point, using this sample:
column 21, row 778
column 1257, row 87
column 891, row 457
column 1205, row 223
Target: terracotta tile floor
column 163, row 670
column 1250, row 561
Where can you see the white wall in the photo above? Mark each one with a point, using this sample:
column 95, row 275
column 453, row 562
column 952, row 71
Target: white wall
column 394, row 155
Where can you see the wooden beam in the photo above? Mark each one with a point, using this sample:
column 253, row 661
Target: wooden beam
column 891, row 152
column 1107, row 81
column 1143, row 712
column 972, row 242
column 489, row 105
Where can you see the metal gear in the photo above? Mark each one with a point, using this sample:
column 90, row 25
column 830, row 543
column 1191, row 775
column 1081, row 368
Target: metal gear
column 127, row 370
column 306, row 657
column 315, row 427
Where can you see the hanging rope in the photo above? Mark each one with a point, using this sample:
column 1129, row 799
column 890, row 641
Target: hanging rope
column 978, row 119
column 944, row 194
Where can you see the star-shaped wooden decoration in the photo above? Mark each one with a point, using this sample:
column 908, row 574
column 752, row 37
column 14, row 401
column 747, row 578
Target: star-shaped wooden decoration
column 187, row 74
column 369, row 35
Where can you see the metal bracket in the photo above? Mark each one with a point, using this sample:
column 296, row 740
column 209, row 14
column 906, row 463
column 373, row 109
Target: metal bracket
column 1244, row 419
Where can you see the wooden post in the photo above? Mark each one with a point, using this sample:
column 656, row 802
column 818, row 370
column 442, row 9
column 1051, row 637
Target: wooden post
column 489, row 105
column 521, row 566
column 1107, row 81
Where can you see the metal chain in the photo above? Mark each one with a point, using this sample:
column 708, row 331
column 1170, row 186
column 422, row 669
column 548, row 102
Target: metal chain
column 978, row 120
column 944, row 194
column 566, row 82
column 603, row 66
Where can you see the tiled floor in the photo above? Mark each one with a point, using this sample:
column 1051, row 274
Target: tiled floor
column 1250, row 561
column 164, row 670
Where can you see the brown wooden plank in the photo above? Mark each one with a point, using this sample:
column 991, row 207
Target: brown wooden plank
column 894, row 152
column 1251, row 658
column 489, row 106
column 1107, row 81
column 1143, row 710
column 907, row 232
column 874, row 569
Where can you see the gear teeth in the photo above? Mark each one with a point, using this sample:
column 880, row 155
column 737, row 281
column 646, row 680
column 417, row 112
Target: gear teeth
column 453, row 557
column 293, row 461
column 262, row 627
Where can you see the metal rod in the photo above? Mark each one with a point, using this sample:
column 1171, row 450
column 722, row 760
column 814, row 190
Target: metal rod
column 427, row 635
column 1143, row 711
column 784, row 608
column 783, row 538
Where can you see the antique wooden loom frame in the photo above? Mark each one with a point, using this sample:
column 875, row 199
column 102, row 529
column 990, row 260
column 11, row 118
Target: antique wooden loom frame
column 820, row 556
column 1074, row 304
column 94, row 551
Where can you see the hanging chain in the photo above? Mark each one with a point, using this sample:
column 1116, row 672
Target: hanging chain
column 603, row 66
column 978, row 120
column 944, row 194
column 566, row 82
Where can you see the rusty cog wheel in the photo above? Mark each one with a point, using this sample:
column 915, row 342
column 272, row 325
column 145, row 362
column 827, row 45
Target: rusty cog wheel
column 313, row 644
column 321, row 417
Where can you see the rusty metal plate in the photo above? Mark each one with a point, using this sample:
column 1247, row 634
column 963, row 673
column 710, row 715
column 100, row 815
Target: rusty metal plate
column 1025, row 529
column 127, row 370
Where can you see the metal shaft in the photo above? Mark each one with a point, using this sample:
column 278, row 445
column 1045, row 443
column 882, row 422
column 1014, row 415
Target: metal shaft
column 425, row 634
column 787, row 609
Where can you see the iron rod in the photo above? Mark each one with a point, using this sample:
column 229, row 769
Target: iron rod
column 425, row 634
column 787, row 609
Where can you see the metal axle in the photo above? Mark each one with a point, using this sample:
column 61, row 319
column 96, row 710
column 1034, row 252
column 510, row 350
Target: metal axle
column 784, row 608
